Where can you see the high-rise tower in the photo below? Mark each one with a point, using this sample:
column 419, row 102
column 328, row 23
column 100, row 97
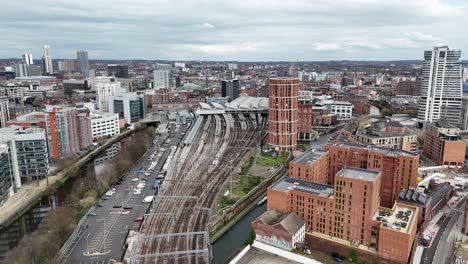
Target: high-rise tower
column 282, row 116
column 441, row 86
column 48, row 68
column 82, row 62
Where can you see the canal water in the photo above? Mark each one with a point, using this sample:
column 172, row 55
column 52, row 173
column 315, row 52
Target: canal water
column 29, row 222
column 233, row 240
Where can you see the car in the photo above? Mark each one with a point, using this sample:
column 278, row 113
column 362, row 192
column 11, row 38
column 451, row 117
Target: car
column 125, row 212
column 117, row 206
column 135, row 179
column 92, row 214
column 139, row 219
column 308, row 252
column 100, row 205
column 337, row 259
column 128, row 207
column 105, row 198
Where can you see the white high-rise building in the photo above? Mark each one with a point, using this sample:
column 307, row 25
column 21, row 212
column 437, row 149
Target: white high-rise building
column 4, row 111
column 103, row 91
column 27, row 58
column 48, row 68
column 21, row 69
column 441, row 86
column 161, row 79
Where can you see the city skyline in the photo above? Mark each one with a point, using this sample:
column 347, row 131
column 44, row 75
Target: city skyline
column 241, row 31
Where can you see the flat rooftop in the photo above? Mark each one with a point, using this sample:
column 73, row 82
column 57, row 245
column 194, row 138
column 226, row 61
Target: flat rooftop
column 388, row 152
column 309, row 156
column 399, row 218
column 258, row 256
column 357, row 173
column 287, row 184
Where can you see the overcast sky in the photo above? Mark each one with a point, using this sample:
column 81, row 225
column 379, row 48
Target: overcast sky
column 246, row 30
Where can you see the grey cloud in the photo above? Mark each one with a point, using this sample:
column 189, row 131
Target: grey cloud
column 231, row 30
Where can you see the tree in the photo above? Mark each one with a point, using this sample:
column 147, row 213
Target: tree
column 353, row 256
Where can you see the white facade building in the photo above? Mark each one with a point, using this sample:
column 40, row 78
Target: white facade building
column 441, row 86
column 104, row 125
column 27, row 58
column 103, row 91
column 48, row 60
column 161, row 79
column 4, row 111
column 343, row 110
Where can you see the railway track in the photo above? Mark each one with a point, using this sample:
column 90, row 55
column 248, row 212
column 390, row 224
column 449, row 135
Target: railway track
column 176, row 229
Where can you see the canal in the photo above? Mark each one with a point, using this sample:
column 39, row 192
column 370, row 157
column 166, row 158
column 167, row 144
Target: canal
column 11, row 236
column 233, row 240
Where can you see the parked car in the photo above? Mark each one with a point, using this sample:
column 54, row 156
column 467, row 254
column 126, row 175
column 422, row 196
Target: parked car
column 117, row 206
column 105, row 198
column 139, row 219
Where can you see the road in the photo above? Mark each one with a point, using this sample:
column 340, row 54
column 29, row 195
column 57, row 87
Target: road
column 103, row 237
column 447, row 229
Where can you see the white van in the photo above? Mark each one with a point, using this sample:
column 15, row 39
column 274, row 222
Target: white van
column 148, row 199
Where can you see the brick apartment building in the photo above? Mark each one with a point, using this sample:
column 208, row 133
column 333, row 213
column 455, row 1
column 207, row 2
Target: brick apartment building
column 305, row 120
column 399, row 168
column 406, row 142
column 68, row 131
column 347, row 215
column 282, row 116
column 408, row 88
column 443, row 144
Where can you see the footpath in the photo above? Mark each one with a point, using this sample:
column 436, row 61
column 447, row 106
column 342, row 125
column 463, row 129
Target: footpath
column 30, row 193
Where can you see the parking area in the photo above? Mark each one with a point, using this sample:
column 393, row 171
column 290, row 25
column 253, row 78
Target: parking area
column 103, row 233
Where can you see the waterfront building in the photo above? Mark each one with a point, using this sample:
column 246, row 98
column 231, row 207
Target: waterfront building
column 104, row 125
column 347, row 215
column 129, row 106
column 28, row 153
column 68, row 132
column 343, row 110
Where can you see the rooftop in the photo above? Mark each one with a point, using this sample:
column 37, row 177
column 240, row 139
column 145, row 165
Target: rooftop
column 398, row 218
column 287, row 184
column 291, row 222
column 358, row 174
column 309, row 156
column 388, row 152
column 432, row 195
